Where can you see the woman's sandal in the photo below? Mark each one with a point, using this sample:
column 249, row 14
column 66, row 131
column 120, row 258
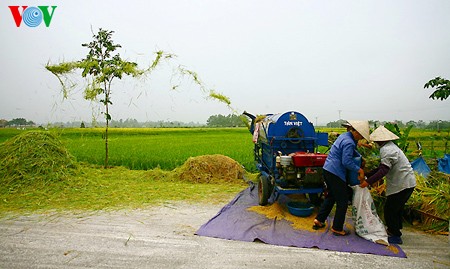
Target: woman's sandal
column 318, row 225
column 340, row 233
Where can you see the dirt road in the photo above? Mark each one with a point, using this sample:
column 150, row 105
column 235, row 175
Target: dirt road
column 163, row 237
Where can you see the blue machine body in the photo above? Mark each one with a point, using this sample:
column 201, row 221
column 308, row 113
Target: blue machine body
column 283, row 134
column 290, row 132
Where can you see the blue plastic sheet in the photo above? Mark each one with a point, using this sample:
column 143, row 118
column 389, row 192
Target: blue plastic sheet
column 420, row 166
column 444, row 164
column 235, row 222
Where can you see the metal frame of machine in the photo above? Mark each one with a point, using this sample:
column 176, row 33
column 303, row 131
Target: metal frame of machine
column 286, row 155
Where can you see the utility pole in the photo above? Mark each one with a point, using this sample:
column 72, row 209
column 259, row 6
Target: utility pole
column 339, row 114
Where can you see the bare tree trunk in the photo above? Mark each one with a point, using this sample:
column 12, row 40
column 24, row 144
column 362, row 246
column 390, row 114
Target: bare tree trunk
column 106, row 140
column 107, row 124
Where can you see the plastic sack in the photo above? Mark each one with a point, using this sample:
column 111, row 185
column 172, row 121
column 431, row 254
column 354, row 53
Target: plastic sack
column 367, row 223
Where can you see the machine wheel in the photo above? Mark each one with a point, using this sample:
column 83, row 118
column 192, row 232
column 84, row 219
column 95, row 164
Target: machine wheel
column 264, row 190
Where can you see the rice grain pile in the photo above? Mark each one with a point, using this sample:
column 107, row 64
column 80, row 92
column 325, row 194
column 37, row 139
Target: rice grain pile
column 34, row 156
column 278, row 211
column 210, row 168
column 392, row 249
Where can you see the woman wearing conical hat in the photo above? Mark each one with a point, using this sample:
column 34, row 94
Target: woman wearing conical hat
column 400, row 180
column 339, row 161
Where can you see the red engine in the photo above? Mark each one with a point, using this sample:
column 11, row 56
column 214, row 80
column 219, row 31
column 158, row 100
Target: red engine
column 301, row 169
column 304, row 159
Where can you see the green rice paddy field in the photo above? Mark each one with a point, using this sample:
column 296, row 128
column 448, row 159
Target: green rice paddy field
column 147, row 148
column 168, row 148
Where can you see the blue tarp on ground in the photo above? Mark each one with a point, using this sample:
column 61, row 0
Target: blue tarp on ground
column 420, row 166
column 444, row 164
column 235, row 222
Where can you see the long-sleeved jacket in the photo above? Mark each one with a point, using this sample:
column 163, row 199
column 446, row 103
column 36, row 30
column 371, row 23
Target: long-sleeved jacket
column 340, row 159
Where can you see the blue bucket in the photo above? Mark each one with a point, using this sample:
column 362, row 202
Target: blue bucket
column 352, row 176
column 300, row 209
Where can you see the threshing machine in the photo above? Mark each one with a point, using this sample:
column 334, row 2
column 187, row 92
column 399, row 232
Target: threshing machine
column 286, row 155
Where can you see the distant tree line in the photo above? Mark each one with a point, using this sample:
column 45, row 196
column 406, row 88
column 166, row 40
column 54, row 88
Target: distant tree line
column 127, row 123
column 19, row 122
column 133, row 123
column 225, row 121
column 213, row 121
column 432, row 125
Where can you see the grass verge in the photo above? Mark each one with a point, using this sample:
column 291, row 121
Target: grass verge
column 111, row 189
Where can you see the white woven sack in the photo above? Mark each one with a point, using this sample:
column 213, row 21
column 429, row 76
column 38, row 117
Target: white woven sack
column 367, row 223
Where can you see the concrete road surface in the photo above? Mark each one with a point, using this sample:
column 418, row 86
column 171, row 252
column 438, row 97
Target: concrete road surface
column 163, row 237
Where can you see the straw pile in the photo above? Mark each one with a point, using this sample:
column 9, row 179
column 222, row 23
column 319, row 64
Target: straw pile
column 210, row 168
column 34, row 156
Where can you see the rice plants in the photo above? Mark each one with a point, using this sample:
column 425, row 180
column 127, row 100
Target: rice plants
column 167, row 149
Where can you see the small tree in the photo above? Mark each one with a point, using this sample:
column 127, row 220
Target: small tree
column 101, row 67
column 442, row 88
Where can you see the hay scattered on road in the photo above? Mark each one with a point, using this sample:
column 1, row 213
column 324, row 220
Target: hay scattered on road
column 34, row 156
column 210, row 168
column 392, row 249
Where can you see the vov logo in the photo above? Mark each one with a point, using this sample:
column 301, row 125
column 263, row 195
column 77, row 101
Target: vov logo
column 32, row 16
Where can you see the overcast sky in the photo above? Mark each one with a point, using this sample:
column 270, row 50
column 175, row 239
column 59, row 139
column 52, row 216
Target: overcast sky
column 325, row 59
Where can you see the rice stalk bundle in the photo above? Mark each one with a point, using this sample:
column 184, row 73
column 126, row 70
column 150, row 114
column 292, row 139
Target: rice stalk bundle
column 431, row 198
column 34, row 156
column 429, row 202
column 378, row 192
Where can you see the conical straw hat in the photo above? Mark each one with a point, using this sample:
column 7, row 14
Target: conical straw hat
column 383, row 134
column 362, row 127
